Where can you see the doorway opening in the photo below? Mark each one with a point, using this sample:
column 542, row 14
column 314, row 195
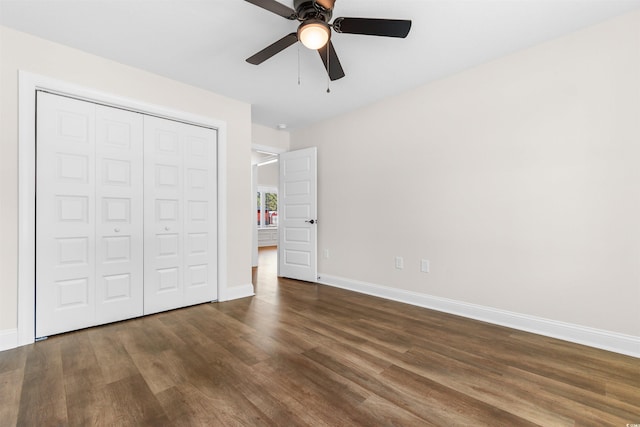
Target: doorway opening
column 265, row 170
column 295, row 232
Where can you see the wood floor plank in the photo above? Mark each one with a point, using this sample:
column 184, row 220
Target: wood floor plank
column 88, row 406
column 390, row 414
column 217, row 331
column 483, row 385
column 304, row 398
column 277, row 410
column 585, row 407
column 10, row 391
column 131, row 403
column 43, row 398
column 83, row 380
column 450, row 406
column 161, row 370
column 624, row 393
column 301, row 354
column 186, row 406
column 276, row 344
column 14, row 359
column 111, row 355
column 12, row 365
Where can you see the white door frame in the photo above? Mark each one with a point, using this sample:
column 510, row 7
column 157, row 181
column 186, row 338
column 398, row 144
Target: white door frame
column 254, row 209
column 29, row 83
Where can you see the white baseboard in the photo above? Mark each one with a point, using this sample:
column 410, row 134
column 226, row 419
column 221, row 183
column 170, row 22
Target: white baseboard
column 8, row 339
column 242, row 291
column 611, row 341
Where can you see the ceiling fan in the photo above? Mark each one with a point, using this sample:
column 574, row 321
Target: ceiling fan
column 314, row 30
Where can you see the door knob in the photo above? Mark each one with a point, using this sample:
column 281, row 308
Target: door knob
column 166, row 229
column 312, row 221
column 117, row 230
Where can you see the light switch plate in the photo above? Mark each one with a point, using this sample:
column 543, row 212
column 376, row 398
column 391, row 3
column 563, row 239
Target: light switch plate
column 399, row 263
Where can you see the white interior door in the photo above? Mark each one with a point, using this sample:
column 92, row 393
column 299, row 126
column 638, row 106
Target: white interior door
column 297, row 215
column 200, row 215
column 180, row 215
column 163, row 287
column 65, row 215
column 119, row 215
column 88, row 216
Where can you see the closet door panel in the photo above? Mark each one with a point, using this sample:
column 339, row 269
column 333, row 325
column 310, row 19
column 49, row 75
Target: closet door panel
column 163, row 222
column 200, row 215
column 180, row 214
column 65, row 215
column 119, row 214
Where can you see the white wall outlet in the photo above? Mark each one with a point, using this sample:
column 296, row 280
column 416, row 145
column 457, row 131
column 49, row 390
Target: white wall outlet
column 399, row 262
column 424, row 265
column 325, row 254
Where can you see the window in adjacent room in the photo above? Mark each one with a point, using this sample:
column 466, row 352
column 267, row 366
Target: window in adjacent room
column 267, row 203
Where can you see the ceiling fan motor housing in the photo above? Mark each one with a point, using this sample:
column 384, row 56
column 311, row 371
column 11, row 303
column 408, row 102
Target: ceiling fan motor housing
column 309, row 9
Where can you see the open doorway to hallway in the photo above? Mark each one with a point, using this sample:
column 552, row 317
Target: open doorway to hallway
column 265, row 171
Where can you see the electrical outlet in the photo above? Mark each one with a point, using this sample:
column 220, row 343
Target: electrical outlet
column 399, row 262
column 325, row 254
column 424, row 265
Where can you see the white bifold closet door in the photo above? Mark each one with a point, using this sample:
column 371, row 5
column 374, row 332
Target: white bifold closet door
column 180, row 214
column 89, row 233
column 125, row 214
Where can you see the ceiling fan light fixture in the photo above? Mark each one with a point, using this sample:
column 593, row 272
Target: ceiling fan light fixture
column 314, row 34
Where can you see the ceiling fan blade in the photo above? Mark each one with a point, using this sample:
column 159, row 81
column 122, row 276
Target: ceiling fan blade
column 272, row 49
column 325, row 4
column 331, row 61
column 275, row 7
column 373, row 27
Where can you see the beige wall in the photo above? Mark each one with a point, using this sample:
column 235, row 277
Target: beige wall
column 268, row 137
column 19, row 51
column 518, row 179
column 269, row 175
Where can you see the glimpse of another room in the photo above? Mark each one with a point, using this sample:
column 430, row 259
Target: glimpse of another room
column 265, row 167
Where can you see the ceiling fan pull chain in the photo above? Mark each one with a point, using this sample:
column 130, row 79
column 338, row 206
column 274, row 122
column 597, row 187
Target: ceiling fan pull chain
column 298, row 64
column 328, row 77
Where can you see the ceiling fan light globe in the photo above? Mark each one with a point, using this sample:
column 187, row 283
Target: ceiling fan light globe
column 314, row 35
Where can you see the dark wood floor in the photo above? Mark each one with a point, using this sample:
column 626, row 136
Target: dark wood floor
column 301, row 354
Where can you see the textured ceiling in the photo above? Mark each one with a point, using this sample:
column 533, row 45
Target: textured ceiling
column 205, row 44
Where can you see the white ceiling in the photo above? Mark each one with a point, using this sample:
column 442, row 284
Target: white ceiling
column 205, row 43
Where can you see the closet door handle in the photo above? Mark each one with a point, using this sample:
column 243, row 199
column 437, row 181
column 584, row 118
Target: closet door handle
column 117, row 230
column 166, row 228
